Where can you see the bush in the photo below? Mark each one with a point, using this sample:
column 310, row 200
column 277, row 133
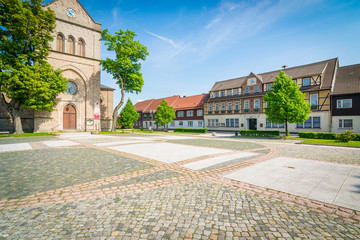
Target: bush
column 324, row 135
column 141, row 129
column 347, row 136
column 192, row 130
column 259, row 133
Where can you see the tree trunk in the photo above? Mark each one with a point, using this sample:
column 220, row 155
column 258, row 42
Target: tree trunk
column 116, row 110
column 286, row 129
column 15, row 115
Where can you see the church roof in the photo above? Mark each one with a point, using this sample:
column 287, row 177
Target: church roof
column 102, row 86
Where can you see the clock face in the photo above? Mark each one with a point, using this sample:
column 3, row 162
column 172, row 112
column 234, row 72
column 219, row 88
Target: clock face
column 71, row 13
column 72, row 88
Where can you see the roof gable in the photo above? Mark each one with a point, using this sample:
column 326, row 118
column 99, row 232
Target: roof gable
column 82, row 16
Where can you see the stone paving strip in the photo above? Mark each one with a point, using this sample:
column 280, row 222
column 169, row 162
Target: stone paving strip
column 124, row 142
column 15, row 147
column 168, row 152
column 198, row 165
column 59, row 143
column 196, row 210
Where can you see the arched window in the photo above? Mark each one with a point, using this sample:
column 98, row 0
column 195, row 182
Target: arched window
column 60, row 42
column 81, row 47
column 71, row 45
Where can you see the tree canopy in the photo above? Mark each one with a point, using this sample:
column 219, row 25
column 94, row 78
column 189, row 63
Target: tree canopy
column 25, row 76
column 164, row 114
column 128, row 115
column 126, row 66
column 285, row 102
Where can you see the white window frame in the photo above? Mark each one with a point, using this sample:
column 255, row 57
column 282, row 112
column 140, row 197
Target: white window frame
column 247, row 90
column 315, row 98
column 190, row 113
column 180, row 114
column 303, row 80
column 216, row 94
column 342, row 123
column 200, row 123
column 210, row 107
column 228, row 92
column 223, row 106
column 229, row 106
column 247, row 103
column 216, row 106
column 199, row 112
column 256, row 88
column 236, row 91
column 222, row 93
column 190, row 123
column 269, row 86
column 236, row 107
column 340, row 103
column 257, row 103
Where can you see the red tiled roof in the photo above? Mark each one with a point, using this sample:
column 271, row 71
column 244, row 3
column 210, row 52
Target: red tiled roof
column 191, row 102
column 151, row 105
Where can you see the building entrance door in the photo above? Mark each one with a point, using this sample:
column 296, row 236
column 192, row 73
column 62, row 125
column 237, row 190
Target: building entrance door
column 69, row 117
column 252, row 124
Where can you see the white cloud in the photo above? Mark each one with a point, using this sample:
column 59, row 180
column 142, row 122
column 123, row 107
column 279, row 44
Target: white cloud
column 167, row 40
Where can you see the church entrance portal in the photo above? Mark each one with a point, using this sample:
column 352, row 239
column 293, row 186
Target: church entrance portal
column 69, row 117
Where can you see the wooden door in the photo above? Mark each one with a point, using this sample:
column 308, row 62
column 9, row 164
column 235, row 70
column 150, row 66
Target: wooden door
column 252, row 124
column 69, row 117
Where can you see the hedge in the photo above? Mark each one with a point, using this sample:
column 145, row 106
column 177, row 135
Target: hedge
column 259, row 133
column 192, row 130
column 323, row 135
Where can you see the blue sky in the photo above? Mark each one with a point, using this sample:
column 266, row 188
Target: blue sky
column 194, row 43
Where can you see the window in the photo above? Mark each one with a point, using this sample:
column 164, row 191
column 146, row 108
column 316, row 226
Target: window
column 223, row 106
column 150, row 115
column 247, row 104
column 256, row 88
column 181, row 123
column 237, row 105
column 312, row 122
column 247, row 90
column 190, row 123
column 210, row 107
column 144, row 115
column 209, row 123
column 172, row 124
column 229, row 105
column 268, row 123
column 306, row 82
column 228, row 92
column 345, row 123
column 199, row 112
column 236, row 122
column 236, row 91
column 231, row 122
column 180, row 114
column 216, row 122
column 274, row 125
column 344, row 103
column 71, row 45
column 313, row 99
column 216, row 107
column 223, row 93
column 281, row 125
column 190, row 113
column 257, row 103
column 60, row 43
column 216, row 94
column 200, row 123
column 269, row 87
column 81, row 47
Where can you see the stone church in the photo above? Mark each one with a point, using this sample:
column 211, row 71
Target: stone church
column 86, row 105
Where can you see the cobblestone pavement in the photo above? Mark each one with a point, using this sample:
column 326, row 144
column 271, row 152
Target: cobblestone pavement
column 116, row 195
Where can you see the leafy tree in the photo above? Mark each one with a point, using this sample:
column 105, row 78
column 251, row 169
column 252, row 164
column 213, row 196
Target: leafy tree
column 128, row 115
column 285, row 102
column 27, row 81
column 125, row 68
column 164, row 114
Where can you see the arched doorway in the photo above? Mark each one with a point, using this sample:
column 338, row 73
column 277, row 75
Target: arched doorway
column 69, row 117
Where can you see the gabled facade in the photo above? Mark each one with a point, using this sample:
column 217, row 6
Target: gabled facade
column 237, row 104
column 189, row 112
column 345, row 99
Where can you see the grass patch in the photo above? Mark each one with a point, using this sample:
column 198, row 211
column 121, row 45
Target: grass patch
column 258, row 137
column 26, row 135
column 147, row 131
column 332, row 142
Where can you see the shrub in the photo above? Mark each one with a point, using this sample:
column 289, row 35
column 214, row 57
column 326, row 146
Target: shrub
column 325, row 135
column 346, row 136
column 141, row 129
column 192, row 130
column 259, row 133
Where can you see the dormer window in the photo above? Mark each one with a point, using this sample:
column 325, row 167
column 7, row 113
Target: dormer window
column 216, row 94
column 228, row 93
column 236, row 91
column 223, row 93
column 306, row 82
column 269, row 87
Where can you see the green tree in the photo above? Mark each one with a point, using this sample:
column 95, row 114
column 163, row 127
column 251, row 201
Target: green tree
column 164, row 114
column 285, row 102
column 128, row 115
column 125, row 68
column 27, row 81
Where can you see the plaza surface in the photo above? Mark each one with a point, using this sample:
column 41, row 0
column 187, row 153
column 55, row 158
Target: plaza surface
column 166, row 186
